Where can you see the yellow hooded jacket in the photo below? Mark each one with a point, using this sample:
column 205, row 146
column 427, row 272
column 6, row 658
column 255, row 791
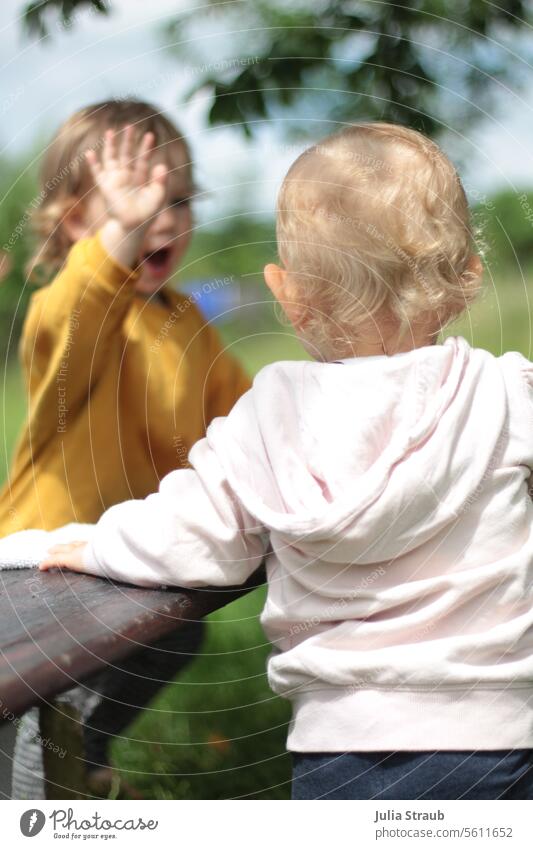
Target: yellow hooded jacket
column 119, row 388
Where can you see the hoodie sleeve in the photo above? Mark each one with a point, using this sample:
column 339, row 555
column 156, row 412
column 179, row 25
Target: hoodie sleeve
column 192, row 533
column 527, row 371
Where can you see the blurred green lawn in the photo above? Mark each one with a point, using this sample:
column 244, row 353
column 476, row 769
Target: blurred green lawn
column 218, row 732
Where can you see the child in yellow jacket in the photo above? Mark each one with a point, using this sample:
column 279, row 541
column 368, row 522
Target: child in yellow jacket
column 123, row 374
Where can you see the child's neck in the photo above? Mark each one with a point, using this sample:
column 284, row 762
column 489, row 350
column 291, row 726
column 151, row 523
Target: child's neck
column 366, row 349
column 389, row 340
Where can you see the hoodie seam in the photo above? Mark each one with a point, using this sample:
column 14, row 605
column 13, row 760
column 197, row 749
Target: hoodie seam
column 528, row 402
column 350, row 689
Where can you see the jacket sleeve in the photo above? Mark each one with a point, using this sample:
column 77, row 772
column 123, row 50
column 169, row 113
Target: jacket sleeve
column 527, row 373
column 68, row 330
column 193, row 532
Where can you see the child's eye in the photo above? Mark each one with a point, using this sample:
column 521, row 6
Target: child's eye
column 180, row 201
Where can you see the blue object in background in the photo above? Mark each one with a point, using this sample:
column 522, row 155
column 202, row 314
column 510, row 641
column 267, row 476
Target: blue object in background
column 218, row 298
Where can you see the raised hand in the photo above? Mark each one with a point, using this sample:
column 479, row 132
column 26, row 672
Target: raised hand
column 133, row 189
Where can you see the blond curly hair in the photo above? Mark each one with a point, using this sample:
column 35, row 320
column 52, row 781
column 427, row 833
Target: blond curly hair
column 374, row 219
column 65, row 178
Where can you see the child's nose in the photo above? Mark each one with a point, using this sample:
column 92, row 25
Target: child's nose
column 166, row 220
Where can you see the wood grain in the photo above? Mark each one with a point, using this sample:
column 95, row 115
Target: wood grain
column 58, row 627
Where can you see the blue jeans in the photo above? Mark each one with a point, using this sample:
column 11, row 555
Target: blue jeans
column 497, row 774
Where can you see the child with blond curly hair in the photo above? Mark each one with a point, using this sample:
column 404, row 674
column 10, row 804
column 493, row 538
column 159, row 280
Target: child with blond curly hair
column 387, row 483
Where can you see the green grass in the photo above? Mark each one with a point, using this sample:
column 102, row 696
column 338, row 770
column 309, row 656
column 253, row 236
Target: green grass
column 222, row 732
column 266, row 346
column 12, row 412
column 501, row 320
column 218, row 732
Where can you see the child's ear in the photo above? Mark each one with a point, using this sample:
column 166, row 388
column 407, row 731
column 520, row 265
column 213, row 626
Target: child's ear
column 278, row 281
column 74, row 224
column 275, row 279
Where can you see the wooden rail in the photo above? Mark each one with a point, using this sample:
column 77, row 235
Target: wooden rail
column 56, row 628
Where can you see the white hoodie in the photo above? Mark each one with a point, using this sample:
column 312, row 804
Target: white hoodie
column 391, row 497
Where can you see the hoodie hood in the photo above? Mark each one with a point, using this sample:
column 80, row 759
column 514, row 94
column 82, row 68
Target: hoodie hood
column 364, row 459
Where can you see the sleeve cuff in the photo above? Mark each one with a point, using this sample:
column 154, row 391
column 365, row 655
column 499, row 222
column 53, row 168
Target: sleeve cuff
column 107, row 270
column 90, row 563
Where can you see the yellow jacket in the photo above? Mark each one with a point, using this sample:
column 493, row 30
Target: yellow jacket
column 119, row 389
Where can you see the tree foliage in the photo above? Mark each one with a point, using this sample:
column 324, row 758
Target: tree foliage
column 429, row 64
column 39, row 14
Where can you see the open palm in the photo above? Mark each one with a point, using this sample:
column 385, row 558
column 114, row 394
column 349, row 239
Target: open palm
column 133, row 190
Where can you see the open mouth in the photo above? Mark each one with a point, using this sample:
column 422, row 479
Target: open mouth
column 157, row 260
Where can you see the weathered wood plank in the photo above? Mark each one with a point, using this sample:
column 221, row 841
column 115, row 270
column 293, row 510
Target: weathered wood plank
column 56, row 628
column 65, row 777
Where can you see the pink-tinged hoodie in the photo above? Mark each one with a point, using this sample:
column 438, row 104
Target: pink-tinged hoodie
column 391, row 497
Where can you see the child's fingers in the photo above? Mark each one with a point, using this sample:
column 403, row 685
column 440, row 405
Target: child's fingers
column 65, row 546
column 109, row 152
column 63, row 562
column 93, row 163
column 68, row 555
column 159, row 174
column 142, row 160
column 125, row 146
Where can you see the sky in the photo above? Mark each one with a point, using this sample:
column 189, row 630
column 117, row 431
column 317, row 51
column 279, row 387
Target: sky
column 41, row 84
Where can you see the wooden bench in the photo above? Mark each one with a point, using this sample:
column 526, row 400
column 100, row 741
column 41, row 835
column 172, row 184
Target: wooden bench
column 57, row 628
